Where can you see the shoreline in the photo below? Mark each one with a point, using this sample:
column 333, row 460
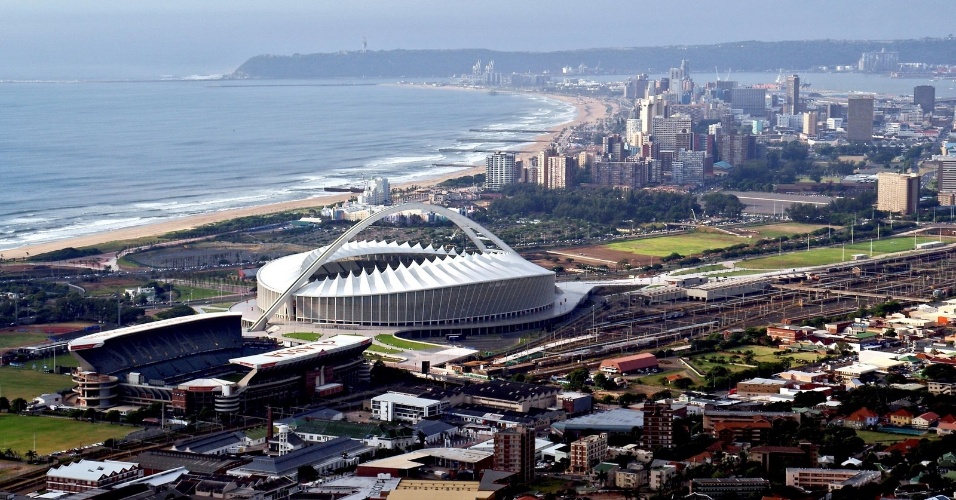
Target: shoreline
column 588, row 109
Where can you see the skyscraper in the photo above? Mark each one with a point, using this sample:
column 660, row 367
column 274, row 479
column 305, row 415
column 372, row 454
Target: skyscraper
column 897, row 193
column 859, row 118
column 500, row 170
column 514, row 452
column 925, row 97
column 791, row 102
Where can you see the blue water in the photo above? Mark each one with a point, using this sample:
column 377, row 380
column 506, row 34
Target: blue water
column 85, row 157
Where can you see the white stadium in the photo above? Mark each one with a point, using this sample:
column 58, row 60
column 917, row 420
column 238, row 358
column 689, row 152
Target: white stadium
column 390, row 284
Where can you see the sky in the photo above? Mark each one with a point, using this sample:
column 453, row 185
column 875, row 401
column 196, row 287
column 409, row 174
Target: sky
column 69, row 39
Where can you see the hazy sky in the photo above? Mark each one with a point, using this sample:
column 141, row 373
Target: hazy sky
column 148, row 38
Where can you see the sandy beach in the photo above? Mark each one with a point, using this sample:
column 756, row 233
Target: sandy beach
column 589, row 110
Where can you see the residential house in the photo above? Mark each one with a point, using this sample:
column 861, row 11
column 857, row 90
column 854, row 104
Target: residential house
column 861, row 419
column 925, row 420
column 901, row 417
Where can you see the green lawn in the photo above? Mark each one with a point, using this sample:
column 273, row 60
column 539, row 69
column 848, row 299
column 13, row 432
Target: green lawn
column 684, row 244
column 701, row 269
column 382, row 349
column 54, row 434
column 20, row 339
column 831, row 255
column 786, row 229
column 402, row 343
column 187, row 292
column 871, row 437
column 763, row 354
column 26, row 383
column 306, row 336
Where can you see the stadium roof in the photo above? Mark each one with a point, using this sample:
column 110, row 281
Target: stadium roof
column 98, row 339
column 447, row 270
column 291, row 355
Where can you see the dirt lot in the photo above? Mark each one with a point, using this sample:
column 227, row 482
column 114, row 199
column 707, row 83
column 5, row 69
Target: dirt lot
column 602, row 255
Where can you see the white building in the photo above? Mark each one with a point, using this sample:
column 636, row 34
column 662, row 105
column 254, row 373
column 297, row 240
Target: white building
column 377, row 192
column 500, row 170
column 394, row 406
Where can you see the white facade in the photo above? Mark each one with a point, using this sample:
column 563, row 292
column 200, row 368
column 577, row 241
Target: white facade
column 394, row 406
column 500, row 170
column 377, row 192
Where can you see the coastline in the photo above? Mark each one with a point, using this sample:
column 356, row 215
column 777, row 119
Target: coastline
column 588, row 109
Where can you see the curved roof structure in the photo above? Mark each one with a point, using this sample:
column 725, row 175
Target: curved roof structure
column 387, row 283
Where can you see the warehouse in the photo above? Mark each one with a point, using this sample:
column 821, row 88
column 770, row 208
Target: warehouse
column 643, row 361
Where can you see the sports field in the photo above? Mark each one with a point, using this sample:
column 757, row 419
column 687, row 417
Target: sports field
column 54, row 434
column 684, row 244
column 306, row 336
column 786, row 229
column 832, row 255
column 26, row 383
column 401, row 343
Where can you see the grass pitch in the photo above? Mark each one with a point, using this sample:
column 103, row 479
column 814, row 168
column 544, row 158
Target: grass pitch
column 787, row 229
column 54, row 434
column 832, row 255
column 26, row 383
column 684, row 244
column 400, row 343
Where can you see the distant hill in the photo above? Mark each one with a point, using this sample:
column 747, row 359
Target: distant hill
column 738, row 56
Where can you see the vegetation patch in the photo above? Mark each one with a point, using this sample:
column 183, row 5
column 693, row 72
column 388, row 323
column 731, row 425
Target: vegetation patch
column 400, row 343
column 54, row 434
column 306, row 336
column 382, row 349
column 19, row 339
column 833, row 255
column 787, row 229
column 683, row 244
column 24, row 382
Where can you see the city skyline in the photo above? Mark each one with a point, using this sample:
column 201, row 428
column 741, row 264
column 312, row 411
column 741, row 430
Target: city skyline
column 109, row 39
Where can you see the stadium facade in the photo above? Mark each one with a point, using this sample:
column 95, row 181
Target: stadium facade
column 401, row 285
column 202, row 361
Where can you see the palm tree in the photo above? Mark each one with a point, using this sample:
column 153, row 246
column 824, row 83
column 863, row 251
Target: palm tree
column 31, row 456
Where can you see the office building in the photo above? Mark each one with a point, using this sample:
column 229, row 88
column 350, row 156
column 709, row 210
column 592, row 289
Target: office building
column 393, row 406
column 831, row 479
column 859, row 120
column 736, row 148
column 613, row 147
column 514, row 452
column 925, row 97
column 734, row 486
column 791, row 99
column 750, row 100
column 897, row 193
column 669, row 131
column 658, row 426
column 688, row 168
column 588, row 452
column 500, row 170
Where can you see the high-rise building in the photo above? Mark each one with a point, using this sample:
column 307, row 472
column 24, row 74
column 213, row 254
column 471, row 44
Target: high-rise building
column 658, row 426
column 514, row 452
column 898, row 193
column 810, row 120
column 666, row 131
column 749, row 100
column 622, row 174
column 736, row 148
column 946, row 181
column 879, row 61
column 925, row 97
column 588, row 452
column 688, row 168
column 613, row 147
column 500, row 170
column 636, row 88
column 791, row 101
column 377, row 192
column 560, row 172
column 859, row 119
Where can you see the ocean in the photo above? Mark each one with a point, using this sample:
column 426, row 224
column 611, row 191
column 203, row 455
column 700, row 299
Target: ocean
column 86, row 157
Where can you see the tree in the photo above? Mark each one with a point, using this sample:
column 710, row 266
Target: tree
column 113, row 416
column 18, row 405
column 307, row 474
column 90, row 414
column 940, row 372
column 421, row 438
column 31, row 456
column 4, row 403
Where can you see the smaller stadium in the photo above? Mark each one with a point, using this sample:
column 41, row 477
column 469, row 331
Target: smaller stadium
column 203, row 361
